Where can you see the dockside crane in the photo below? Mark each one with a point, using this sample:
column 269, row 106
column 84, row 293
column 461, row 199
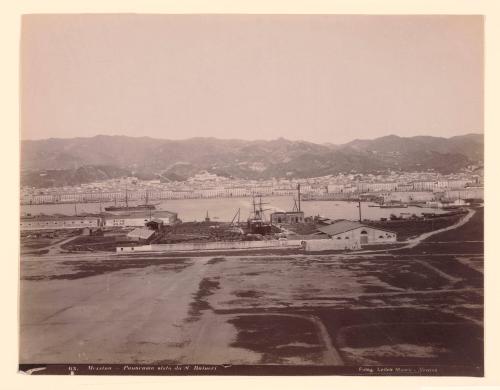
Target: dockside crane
column 236, row 215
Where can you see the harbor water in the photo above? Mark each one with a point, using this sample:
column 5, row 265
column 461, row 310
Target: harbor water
column 224, row 209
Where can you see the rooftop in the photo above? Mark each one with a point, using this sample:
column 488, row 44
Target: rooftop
column 140, row 214
column 141, row 233
column 57, row 217
column 343, row 226
column 340, row 227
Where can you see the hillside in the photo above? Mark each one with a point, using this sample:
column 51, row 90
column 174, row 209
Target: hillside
column 82, row 159
column 69, row 177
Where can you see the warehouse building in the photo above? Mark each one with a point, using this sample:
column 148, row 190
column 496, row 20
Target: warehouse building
column 287, row 217
column 53, row 222
column 355, row 233
column 139, row 219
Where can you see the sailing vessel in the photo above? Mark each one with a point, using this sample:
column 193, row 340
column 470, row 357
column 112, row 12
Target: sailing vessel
column 139, row 207
column 256, row 222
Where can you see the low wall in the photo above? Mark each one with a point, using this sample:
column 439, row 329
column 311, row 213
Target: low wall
column 132, row 249
column 325, row 245
column 210, row 246
column 308, row 245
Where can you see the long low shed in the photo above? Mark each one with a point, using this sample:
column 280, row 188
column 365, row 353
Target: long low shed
column 209, row 246
column 56, row 222
column 59, row 222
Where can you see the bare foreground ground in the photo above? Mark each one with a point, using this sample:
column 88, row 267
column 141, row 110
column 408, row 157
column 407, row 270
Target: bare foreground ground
column 422, row 306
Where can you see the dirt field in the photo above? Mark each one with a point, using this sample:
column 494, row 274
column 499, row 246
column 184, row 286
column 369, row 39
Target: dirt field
column 408, row 229
column 321, row 310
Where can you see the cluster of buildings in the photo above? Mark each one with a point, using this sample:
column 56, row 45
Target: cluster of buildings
column 207, row 185
column 337, row 235
column 55, row 222
column 332, row 235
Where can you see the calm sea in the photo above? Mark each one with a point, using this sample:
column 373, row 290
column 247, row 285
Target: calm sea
column 225, row 209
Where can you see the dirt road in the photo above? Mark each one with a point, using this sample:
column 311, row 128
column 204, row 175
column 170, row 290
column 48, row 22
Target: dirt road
column 114, row 317
column 415, row 241
column 137, row 314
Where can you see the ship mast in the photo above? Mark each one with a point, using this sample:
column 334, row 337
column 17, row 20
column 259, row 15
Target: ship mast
column 298, row 194
column 261, row 210
column 258, row 211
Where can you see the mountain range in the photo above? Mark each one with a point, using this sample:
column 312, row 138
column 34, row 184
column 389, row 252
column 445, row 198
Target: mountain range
column 56, row 162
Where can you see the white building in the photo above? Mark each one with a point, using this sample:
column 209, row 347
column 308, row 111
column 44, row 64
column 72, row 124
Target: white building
column 44, row 222
column 352, row 234
column 139, row 219
column 411, row 196
column 335, row 188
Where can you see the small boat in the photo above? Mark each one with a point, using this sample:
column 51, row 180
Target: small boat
column 393, row 206
column 452, row 207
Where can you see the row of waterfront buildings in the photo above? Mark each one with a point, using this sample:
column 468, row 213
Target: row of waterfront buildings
column 450, row 188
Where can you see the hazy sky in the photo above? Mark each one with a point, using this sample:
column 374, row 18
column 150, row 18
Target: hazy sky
column 317, row 78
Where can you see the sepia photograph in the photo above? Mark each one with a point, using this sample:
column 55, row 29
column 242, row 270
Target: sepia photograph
column 251, row 194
